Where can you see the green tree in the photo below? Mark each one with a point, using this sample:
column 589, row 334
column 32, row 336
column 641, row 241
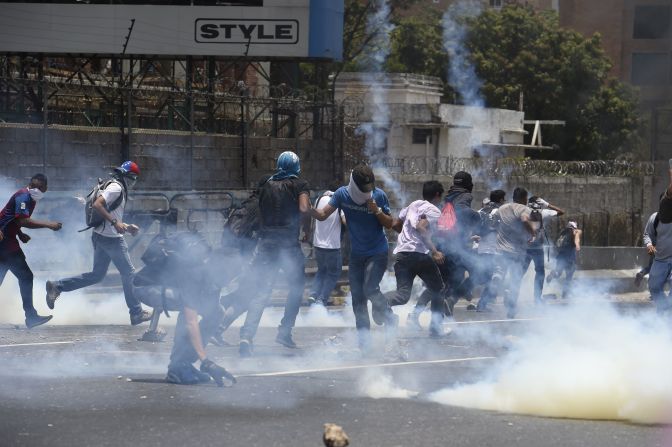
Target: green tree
column 561, row 74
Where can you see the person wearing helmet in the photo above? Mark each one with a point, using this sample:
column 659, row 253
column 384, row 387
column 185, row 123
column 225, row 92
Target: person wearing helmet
column 109, row 244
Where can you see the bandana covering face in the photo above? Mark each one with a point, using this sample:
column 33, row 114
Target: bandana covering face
column 35, row 194
column 356, row 194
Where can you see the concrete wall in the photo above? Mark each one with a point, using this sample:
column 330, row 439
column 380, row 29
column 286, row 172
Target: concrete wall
column 75, row 157
column 610, row 210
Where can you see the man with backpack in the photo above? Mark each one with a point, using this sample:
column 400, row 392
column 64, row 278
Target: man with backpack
column 487, row 245
column 542, row 212
column 16, row 215
column 327, row 249
column 567, row 245
column 514, row 233
column 283, row 202
column 453, row 237
column 105, row 212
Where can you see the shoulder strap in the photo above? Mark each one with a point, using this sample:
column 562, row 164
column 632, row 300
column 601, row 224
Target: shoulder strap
column 656, row 221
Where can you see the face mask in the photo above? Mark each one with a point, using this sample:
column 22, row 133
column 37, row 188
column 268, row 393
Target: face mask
column 36, row 194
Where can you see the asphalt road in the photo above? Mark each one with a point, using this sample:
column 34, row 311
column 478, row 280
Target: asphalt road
column 98, row 386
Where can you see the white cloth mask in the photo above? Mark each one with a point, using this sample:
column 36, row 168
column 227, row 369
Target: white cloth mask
column 356, row 194
column 35, row 194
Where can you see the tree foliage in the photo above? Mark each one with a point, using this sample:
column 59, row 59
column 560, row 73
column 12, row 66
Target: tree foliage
column 562, row 75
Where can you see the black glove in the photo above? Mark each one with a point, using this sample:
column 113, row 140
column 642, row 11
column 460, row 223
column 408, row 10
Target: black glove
column 217, row 372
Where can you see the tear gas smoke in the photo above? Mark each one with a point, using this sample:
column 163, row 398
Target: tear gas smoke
column 375, row 384
column 586, row 362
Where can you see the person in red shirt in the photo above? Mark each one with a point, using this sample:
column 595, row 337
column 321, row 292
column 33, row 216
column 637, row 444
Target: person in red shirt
column 14, row 216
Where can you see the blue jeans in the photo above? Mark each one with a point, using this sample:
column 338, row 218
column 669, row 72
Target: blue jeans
column 658, row 276
column 329, row 266
column 365, row 274
column 536, row 256
column 269, row 258
column 106, row 250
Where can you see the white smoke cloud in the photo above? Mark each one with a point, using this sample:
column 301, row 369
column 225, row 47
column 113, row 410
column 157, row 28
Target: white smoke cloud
column 587, row 362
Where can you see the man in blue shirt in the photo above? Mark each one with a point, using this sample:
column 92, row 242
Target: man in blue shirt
column 367, row 211
column 15, row 215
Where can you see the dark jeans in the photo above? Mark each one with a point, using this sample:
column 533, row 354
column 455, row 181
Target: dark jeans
column 16, row 263
column 456, row 285
column 365, row 274
column 269, row 258
column 106, row 250
column 565, row 262
column 511, row 264
column 486, row 268
column 407, row 266
column 183, row 353
column 536, row 256
column 329, row 266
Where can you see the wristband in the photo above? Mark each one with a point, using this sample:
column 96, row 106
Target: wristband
column 379, row 211
column 113, row 222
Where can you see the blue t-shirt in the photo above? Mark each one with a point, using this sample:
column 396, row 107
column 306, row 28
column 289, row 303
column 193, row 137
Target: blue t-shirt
column 366, row 233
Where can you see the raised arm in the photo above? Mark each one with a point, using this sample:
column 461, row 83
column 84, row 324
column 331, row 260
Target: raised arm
column 384, row 219
column 425, row 232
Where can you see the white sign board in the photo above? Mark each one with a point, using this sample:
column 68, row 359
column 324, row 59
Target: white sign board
column 281, row 28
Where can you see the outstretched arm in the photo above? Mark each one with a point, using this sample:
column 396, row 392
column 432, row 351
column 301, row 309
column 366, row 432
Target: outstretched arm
column 322, row 213
column 426, row 236
column 27, row 222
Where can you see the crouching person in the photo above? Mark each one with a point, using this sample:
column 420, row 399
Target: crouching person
column 177, row 277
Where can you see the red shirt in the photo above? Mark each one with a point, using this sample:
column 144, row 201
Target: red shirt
column 19, row 205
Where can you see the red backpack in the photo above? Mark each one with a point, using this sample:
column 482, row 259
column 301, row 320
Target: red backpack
column 447, row 224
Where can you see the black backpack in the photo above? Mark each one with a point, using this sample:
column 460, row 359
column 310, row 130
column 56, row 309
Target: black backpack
column 92, row 217
column 243, row 221
column 565, row 239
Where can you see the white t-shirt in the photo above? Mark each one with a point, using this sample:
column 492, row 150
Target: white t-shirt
column 327, row 232
column 110, row 194
column 409, row 239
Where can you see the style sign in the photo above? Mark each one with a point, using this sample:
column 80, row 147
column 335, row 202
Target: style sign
column 243, row 31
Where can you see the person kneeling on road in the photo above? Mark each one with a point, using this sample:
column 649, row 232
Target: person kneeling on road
column 179, row 277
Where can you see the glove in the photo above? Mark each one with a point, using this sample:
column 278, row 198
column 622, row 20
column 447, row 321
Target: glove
column 542, row 203
column 217, row 372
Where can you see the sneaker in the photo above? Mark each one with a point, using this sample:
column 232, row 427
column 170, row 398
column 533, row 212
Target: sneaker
column 245, row 348
column 471, row 306
column 379, row 313
column 638, row 279
column 36, row 320
column 53, row 292
column 284, row 338
column 413, row 321
column 140, row 317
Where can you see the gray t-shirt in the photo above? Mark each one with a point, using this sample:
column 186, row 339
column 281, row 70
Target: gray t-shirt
column 512, row 236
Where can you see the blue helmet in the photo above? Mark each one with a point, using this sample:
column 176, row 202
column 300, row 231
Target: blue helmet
column 289, row 166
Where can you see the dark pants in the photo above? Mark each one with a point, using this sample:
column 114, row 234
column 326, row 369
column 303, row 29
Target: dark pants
column 16, row 263
column 507, row 275
column 365, row 274
column 565, row 262
column 183, row 353
column 106, row 250
column 486, row 268
column 536, row 256
column 329, row 266
column 407, row 266
column 269, row 258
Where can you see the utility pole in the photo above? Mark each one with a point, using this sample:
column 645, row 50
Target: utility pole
column 125, row 135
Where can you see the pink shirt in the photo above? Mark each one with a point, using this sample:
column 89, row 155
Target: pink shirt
column 409, row 239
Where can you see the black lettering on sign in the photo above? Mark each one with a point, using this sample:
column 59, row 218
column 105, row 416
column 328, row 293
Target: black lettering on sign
column 243, row 31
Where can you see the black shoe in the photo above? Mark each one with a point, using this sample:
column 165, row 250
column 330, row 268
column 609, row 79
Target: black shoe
column 638, row 279
column 284, row 338
column 53, row 291
column 379, row 313
column 245, row 348
column 36, row 320
column 140, row 317
column 471, row 306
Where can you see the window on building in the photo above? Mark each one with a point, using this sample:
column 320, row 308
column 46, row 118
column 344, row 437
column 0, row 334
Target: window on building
column 650, row 68
column 496, row 3
column 421, row 135
column 652, row 22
